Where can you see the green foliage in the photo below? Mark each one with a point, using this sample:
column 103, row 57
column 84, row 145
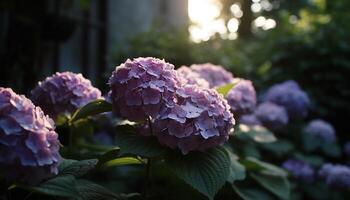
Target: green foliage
column 66, row 184
column 225, row 89
column 206, row 171
column 122, row 161
column 280, row 147
column 254, row 164
column 109, row 155
column 92, row 108
column 130, row 142
column 62, row 186
column 251, row 193
column 278, row 185
column 76, row 168
column 258, row 133
column 237, row 170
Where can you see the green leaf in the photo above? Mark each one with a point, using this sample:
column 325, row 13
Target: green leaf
column 77, row 168
column 78, row 189
column 280, row 147
column 65, row 163
column 237, row 171
column 250, row 150
column 224, row 90
column 254, row 164
column 205, row 171
column 258, row 133
column 331, row 149
column 122, row 161
column 251, row 193
column 277, row 185
column 314, row 160
column 133, row 143
column 110, row 155
column 92, row 108
column 310, row 143
column 61, row 186
column 81, row 128
column 92, row 191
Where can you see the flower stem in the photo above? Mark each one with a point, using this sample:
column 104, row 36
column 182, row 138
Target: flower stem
column 70, row 141
column 147, row 179
column 150, row 125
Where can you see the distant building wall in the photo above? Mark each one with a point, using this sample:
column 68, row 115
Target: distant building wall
column 46, row 36
column 129, row 17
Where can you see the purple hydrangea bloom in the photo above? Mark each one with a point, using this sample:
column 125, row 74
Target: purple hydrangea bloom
column 347, row 148
column 201, row 119
column 337, row 176
column 249, row 119
column 216, row 75
column 63, row 93
column 142, row 88
column 299, row 169
column 28, row 142
column 291, row 96
column 322, row 130
column 272, row 116
column 242, row 98
column 191, row 78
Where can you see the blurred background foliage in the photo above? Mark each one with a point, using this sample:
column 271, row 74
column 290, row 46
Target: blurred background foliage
column 310, row 44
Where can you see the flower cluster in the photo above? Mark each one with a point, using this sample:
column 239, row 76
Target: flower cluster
column 322, row 130
column 242, row 98
column 63, row 93
column 143, row 87
column 289, row 95
column 336, row 175
column 272, row 116
column 190, row 77
column 299, row 169
column 249, row 119
column 189, row 118
column 28, row 142
column 216, row 75
column 201, row 119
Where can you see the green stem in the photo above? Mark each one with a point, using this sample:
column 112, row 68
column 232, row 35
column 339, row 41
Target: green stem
column 150, row 125
column 147, row 179
column 71, row 140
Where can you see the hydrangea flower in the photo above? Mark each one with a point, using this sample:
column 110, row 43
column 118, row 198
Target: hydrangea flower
column 347, row 149
column 28, row 142
column 191, row 78
column 322, row 130
column 143, row 88
column 63, row 93
column 336, row 175
column 201, row 119
column 272, row 116
column 291, row 96
column 249, row 119
column 216, row 75
column 242, row 98
column 299, row 169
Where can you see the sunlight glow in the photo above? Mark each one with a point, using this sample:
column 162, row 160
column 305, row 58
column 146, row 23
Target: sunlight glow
column 236, row 10
column 256, row 7
column 204, row 15
column 265, row 24
column 232, row 25
column 201, row 11
column 206, row 19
